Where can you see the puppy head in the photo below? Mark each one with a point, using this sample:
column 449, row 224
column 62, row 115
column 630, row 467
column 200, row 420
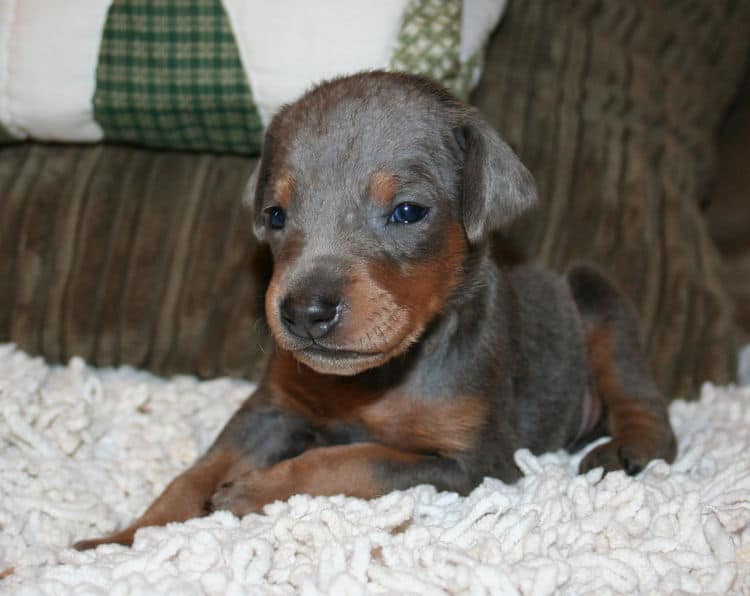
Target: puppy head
column 372, row 191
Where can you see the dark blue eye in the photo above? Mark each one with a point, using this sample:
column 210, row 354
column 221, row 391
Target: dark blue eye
column 276, row 217
column 407, row 213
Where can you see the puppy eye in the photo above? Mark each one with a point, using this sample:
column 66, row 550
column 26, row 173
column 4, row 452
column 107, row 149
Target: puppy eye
column 407, row 213
column 276, row 218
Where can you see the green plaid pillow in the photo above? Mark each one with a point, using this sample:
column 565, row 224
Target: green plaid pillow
column 170, row 75
column 429, row 43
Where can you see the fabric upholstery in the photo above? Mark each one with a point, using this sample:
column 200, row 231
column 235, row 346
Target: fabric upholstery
column 130, row 256
column 614, row 106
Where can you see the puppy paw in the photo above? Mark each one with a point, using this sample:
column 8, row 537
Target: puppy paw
column 616, row 455
column 236, row 496
column 89, row 544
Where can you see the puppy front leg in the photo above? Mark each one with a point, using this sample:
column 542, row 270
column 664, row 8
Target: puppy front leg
column 258, row 435
column 364, row 470
column 184, row 498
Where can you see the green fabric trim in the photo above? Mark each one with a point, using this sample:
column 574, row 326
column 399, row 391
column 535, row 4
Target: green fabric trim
column 169, row 76
column 429, row 43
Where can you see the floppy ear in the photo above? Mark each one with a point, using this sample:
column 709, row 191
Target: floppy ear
column 252, row 196
column 497, row 187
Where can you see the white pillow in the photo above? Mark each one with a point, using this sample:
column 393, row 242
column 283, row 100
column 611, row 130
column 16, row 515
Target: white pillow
column 142, row 71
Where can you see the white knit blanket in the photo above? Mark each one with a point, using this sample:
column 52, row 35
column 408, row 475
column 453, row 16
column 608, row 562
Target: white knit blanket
column 84, row 450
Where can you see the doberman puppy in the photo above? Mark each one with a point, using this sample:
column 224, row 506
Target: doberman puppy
column 404, row 353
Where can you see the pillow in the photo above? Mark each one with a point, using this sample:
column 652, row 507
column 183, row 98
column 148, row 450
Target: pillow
column 208, row 75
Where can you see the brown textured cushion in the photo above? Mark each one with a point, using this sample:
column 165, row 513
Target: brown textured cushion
column 127, row 256
column 614, row 107
column 130, row 256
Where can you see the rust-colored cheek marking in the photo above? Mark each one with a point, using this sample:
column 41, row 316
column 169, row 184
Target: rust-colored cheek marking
column 374, row 321
column 287, row 255
column 424, row 287
column 627, row 418
column 388, row 307
column 444, row 426
column 283, row 190
column 383, row 187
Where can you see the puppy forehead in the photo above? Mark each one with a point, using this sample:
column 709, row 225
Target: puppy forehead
column 361, row 125
column 361, row 144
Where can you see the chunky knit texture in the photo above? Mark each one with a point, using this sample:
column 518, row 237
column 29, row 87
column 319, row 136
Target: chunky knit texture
column 85, row 451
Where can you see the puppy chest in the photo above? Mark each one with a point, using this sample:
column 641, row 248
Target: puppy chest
column 447, row 426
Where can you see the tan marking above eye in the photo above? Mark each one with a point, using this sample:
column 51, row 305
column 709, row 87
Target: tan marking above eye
column 383, row 187
column 283, row 190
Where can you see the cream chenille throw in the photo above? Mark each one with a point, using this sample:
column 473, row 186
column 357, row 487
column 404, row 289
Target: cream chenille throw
column 83, row 451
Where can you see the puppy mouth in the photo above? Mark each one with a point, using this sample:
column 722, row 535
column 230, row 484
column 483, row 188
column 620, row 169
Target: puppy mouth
column 337, row 361
column 325, row 352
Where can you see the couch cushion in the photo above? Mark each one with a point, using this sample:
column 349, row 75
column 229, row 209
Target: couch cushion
column 127, row 256
column 614, row 107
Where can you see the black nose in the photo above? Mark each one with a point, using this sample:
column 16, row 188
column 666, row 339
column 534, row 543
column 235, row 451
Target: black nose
column 311, row 316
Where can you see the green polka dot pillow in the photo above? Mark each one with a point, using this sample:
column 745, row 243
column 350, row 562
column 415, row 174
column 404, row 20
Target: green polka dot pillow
column 207, row 75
